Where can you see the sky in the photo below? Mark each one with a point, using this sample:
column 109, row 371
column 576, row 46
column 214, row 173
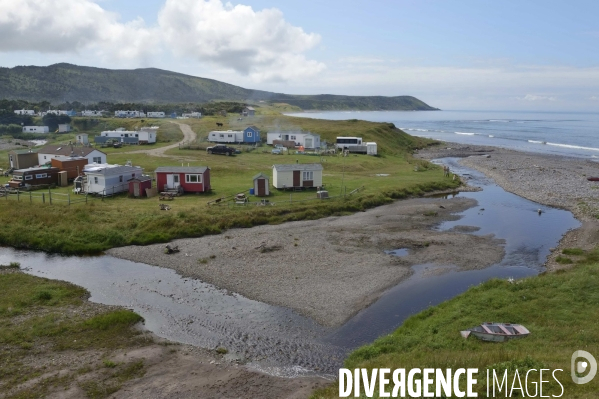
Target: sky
column 451, row 54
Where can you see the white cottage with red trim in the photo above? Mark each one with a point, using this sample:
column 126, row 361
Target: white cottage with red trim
column 192, row 179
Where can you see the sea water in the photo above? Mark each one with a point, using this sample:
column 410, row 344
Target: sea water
column 560, row 133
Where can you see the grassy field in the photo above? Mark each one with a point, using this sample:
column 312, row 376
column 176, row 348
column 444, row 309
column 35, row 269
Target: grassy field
column 42, row 321
column 101, row 224
column 560, row 309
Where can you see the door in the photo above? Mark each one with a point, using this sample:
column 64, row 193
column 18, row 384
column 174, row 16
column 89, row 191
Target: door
column 308, row 143
column 136, row 189
column 261, row 187
column 11, row 163
column 172, row 181
column 296, row 178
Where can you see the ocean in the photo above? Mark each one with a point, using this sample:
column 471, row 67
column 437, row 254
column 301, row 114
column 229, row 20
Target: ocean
column 561, row 133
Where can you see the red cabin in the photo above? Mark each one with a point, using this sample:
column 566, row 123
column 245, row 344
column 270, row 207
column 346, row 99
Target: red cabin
column 192, row 179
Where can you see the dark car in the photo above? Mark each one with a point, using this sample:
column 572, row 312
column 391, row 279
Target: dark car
column 220, row 149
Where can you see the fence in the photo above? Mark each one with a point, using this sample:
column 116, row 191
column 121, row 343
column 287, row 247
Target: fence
column 44, row 197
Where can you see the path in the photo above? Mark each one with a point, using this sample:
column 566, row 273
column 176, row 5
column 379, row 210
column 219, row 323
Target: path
column 188, row 135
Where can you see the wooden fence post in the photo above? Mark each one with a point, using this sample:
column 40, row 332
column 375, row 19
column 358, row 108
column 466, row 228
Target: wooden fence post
column 43, row 198
column 69, row 198
column 30, row 198
column 17, row 195
column 50, row 196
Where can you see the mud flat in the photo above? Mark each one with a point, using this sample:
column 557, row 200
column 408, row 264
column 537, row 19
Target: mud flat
column 331, row 268
column 547, row 179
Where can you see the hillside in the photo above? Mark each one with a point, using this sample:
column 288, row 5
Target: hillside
column 65, row 82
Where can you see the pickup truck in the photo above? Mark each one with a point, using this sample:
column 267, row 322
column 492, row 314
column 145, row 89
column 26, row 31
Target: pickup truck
column 220, row 149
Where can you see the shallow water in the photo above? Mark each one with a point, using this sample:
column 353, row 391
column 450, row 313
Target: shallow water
column 280, row 341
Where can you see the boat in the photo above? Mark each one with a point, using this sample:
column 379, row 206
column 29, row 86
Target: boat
column 496, row 332
column 593, row 178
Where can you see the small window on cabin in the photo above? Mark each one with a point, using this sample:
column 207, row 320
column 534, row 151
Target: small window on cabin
column 249, row 134
column 29, row 177
column 136, row 135
column 95, row 180
column 44, row 157
column 120, row 179
column 221, row 135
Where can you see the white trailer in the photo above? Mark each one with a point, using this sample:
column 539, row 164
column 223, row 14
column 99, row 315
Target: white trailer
column 36, row 129
column 225, row 136
column 155, row 114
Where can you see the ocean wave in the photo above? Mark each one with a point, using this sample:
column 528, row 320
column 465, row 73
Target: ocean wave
column 499, row 120
column 465, row 134
column 491, row 135
column 577, row 147
column 536, row 142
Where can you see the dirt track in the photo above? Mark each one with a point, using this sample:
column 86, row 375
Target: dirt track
column 188, row 135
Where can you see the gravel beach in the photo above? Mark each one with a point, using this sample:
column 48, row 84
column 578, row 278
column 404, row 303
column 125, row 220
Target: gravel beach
column 331, row 268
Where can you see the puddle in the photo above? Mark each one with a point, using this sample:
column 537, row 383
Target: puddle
column 398, row 252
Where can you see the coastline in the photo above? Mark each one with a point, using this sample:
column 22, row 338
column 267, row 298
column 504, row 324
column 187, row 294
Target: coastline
column 553, row 180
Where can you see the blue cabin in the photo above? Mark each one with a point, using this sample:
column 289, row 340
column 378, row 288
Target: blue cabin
column 251, row 134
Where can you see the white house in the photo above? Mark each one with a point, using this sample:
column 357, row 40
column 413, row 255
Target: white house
column 91, row 113
column 155, row 114
column 192, row 115
column 105, row 179
column 64, row 128
column 57, row 112
column 36, row 129
column 29, row 112
column 146, row 135
column 306, row 139
column 297, row 175
column 129, row 114
column 49, row 152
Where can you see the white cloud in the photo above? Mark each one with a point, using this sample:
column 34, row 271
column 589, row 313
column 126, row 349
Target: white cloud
column 594, row 98
column 67, row 26
column 533, row 97
column 256, row 43
column 260, row 44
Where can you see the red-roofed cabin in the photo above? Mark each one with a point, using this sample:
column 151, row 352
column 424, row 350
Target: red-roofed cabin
column 194, row 179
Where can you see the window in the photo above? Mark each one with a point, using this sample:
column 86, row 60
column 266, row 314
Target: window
column 176, row 179
column 120, row 179
column 193, row 178
column 29, row 177
column 249, row 134
column 97, row 159
column 307, row 176
column 41, row 176
column 95, row 179
column 136, row 135
column 221, row 135
column 44, row 157
column 291, row 137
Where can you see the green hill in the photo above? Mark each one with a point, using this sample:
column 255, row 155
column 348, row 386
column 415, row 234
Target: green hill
column 59, row 83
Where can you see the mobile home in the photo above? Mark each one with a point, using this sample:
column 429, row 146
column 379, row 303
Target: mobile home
column 36, row 129
column 155, row 115
column 225, row 136
column 106, row 179
column 307, row 140
column 34, row 177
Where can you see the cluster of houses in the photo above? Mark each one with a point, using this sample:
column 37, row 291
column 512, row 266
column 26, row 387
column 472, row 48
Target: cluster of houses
column 118, row 114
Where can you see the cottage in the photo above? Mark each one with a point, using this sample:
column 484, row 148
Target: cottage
column 138, row 186
column 194, row 179
column 105, row 179
column 261, row 185
column 64, row 128
column 82, row 138
column 248, row 111
column 225, row 136
column 73, row 166
column 188, row 179
column 251, row 135
column 297, row 175
column 22, row 159
column 49, row 152
column 307, row 140
column 36, row 129
column 34, row 177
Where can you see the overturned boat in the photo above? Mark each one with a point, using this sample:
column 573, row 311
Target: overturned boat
column 496, row 332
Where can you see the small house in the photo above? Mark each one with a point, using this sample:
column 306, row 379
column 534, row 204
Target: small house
column 36, row 129
column 34, row 177
column 105, row 179
column 192, row 179
column 82, row 138
column 261, row 185
column 49, row 152
column 371, row 148
column 297, row 175
column 138, row 185
column 64, row 128
column 251, row 135
column 22, row 159
column 73, row 166
column 248, row 111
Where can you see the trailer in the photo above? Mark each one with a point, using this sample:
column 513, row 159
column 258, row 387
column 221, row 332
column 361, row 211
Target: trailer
column 34, row 177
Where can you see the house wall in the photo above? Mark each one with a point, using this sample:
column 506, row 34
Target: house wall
column 161, row 179
column 94, row 156
column 147, row 136
column 73, row 167
column 36, row 129
column 251, row 135
column 225, row 137
column 285, row 178
column 22, row 161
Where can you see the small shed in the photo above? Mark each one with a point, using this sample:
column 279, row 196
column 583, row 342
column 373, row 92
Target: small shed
column 138, row 185
column 251, row 134
column 21, row 159
column 73, row 166
column 261, row 185
column 64, row 128
column 82, row 138
column 194, row 179
column 371, row 148
column 297, row 175
column 248, row 111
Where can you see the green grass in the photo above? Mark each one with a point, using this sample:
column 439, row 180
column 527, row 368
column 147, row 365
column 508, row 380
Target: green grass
column 38, row 318
column 560, row 309
column 99, row 225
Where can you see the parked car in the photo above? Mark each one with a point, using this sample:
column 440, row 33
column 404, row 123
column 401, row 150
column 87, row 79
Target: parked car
column 279, row 149
column 220, row 149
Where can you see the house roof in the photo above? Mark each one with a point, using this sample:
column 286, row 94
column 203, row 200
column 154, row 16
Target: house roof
column 260, row 175
column 108, row 169
column 66, row 150
column 253, row 128
column 181, row 169
column 141, row 178
column 250, row 108
column 31, row 151
column 297, row 166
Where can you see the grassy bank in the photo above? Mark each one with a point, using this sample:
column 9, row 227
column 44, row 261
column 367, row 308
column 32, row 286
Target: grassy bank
column 51, row 338
column 560, row 309
column 102, row 224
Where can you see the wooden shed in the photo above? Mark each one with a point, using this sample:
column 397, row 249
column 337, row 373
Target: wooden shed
column 138, row 185
column 261, row 183
column 297, row 175
column 73, row 166
column 22, row 159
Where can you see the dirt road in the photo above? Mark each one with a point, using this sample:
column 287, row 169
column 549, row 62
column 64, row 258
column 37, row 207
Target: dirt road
column 188, row 135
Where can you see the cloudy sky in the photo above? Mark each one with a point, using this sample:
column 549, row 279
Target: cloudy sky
column 452, row 54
